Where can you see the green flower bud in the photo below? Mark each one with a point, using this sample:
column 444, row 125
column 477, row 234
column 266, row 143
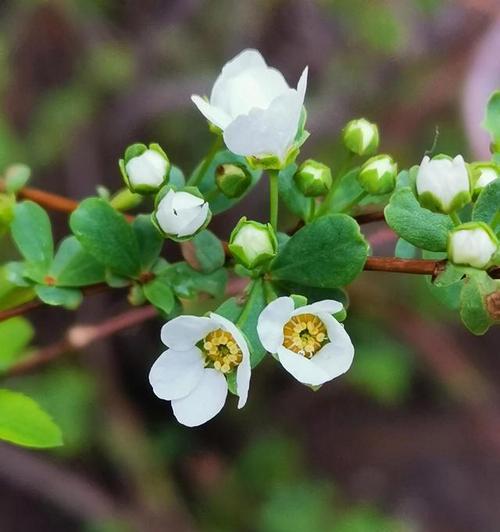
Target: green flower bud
column 378, row 175
column 472, row 244
column 361, row 137
column 313, row 178
column 482, row 174
column 145, row 169
column 252, row 243
column 7, row 203
column 232, row 180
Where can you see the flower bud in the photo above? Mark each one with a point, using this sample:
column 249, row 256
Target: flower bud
column 180, row 215
column 378, row 175
column 232, row 180
column 313, row 178
column 144, row 170
column 443, row 183
column 472, row 244
column 361, row 137
column 252, row 243
column 482, row 174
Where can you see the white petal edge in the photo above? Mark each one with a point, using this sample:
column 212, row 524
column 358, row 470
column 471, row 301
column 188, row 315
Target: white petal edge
column 336, row 357
column 195, row 223
column 271, row 322
column 243, row 373
column 210, row 112
column 303, row 369
column 175, row 374
column 183, row 332
column 204, row 402
column 329, row 306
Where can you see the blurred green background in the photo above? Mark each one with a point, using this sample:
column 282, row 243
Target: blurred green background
column 409, row 439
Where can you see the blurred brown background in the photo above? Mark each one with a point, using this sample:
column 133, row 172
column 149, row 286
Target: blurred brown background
column 410, row 438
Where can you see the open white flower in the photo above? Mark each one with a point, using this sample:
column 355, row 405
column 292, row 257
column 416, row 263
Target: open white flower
column 254, row 106
column 308, row 341
column 472, row 244
column 443, row 183
column 192, row 372
column 181, row 214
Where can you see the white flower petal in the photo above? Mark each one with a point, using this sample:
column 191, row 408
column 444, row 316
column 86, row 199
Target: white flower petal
column 300, row 367
column 243, row 371
column 329, row 306
column 472, row 246
column 184, row 200
column 214, row 114
column 336, row 357
column 195, row 222
column 176, row 373
column 149, row 168
column 204, row 402
column 183, row 332
column 271, row 322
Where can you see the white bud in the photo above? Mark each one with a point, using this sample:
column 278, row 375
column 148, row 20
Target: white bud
column 443, row 184
column 482, row 174
column 472, row 244
column 378, row 175
column 361, row 136
column 253, row 243
column 180, row 215
column 147, row 169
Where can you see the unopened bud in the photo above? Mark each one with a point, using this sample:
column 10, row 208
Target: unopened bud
column 361, row 136
column 378, row 175
column 232, row 180
column 313, row 178
column 145, row 169
column 472, row 244
column 482, row 174
column 252, row 243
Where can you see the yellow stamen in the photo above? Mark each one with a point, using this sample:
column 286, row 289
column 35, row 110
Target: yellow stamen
column 304, row 334
column 221, row 351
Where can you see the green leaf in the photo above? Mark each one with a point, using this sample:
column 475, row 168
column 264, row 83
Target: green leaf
column 207, row 183
column 69, row 298
column 160, row 294
column 328, row 253
column 474, row 309
column 491, row 120
column 73, row 266
column 487, row 207
column 32, row 233
column 149, row 240
column 106, row 235
column 176, row 177
column 11, row 294
column 292, row 197
column 187, row 283
column 23, row 422
column 345, row 192
column 405, row 250
column 15, row 335
column 16, row 176
column 418, row 226
column 204, row 252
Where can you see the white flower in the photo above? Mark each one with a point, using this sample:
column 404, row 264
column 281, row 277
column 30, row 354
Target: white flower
column 148, row 169
column 181, row 214
column 194, row 378
column 254, row 106
column 443, row 184
column 308, row 341
column 472, row 244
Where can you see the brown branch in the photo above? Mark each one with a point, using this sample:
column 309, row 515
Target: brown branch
column 79, row 337
column 397, row 265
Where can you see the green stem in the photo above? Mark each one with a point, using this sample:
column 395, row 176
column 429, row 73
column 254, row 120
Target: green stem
column 273, row 198
column 198, row 176
column 356, row 200
column 343, row 170
column 455, row 218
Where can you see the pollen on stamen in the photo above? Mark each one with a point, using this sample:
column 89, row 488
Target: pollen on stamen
column 304, row 334
column 221, row 351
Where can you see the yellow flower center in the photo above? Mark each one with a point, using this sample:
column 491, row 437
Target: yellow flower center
column 304, row 334
column 221, row 351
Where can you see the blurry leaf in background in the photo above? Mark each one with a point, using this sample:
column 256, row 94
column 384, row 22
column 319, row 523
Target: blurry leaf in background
column 368, row 519
column 69, row 298
column 15, row 335
column 187, row 282
column 160, row 294
column 109, row 66
column 204, row 252
column 487, row 206
column 23, row 422
column 492, row 119
column 68, row 394
column 12, row 295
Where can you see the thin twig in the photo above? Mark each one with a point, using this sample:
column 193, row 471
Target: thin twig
column 80, row 336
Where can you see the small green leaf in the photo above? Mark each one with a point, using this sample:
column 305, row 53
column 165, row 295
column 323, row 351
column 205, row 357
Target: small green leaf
column 73, row 266
column 405, row 250
column 15, row 335
column 176, row 177
column 293, row 198
column 491, row 120
column 345, row 192
column 23, row 422
column 487, row 207
column 187, row 283
column 160, row 294
column 106, row 235
column 149, row 239
column 32, row 234
column 16, row 176
column 474, row 302
column 418, row 226
column 205, row 252
column 69, row 298
column 328, row 253
column 11, row 294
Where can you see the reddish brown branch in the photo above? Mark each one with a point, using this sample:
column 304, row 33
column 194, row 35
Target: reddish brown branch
column 396, row 265
column 80, row 336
